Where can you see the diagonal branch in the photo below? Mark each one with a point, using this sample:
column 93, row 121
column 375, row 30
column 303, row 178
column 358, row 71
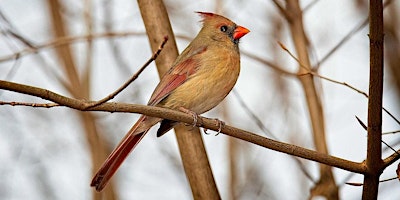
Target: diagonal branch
column 391, row 159
column 347, row 37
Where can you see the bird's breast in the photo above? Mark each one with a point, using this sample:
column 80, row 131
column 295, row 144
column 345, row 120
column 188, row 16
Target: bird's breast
column 208, row 86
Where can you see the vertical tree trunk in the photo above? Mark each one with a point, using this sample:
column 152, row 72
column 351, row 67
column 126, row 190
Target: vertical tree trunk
column 374, row 147
column 190, row 142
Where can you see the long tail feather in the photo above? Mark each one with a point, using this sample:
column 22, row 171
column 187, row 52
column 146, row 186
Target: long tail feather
column 115, row 159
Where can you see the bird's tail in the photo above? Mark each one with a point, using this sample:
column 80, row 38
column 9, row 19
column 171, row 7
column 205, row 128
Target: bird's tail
column 115, row 159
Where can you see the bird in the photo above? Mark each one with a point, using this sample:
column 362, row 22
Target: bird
column 199, row 79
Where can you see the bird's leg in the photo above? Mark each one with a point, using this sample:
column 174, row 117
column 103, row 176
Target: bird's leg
column 194, row 115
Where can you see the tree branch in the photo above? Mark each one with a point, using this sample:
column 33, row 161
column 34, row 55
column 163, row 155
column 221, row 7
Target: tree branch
column 391, row 159
column 188, row 119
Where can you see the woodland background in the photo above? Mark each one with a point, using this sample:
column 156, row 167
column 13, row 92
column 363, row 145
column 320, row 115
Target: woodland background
column 49, row 153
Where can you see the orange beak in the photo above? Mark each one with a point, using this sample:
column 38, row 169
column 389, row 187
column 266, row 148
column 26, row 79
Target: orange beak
column 239, row 32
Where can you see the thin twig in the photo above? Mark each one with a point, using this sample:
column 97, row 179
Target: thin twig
column 341, row 42
column 366, row 128
column 267, row 132
column 391, row 115
column 332, row 80
column 281, row 9
column 362, row 123
column 390, row 132
column 381, row 181
column 134, row 77
column 293, row 56
column 353, row 31
column 268, row 63
column 65, row 41
column 40, row 105
column 11, row 30
column 257, row 120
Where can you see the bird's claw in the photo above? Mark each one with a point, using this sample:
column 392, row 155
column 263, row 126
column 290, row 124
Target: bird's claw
column 205, row 131
column 194, row 115
column 220, row 125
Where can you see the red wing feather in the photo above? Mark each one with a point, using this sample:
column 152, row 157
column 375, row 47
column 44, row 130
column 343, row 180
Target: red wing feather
column 173, row 79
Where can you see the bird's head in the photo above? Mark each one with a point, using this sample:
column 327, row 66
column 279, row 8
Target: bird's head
column 221, row 29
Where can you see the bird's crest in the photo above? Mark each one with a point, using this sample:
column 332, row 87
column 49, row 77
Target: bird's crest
column 207, row 16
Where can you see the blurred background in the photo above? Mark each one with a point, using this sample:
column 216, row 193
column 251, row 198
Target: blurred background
column 49, row 153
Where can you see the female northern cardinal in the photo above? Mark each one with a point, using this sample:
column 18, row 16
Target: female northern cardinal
column 199, row 80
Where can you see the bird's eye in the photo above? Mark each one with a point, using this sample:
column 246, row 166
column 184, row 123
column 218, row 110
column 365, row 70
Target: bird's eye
column 223, row 28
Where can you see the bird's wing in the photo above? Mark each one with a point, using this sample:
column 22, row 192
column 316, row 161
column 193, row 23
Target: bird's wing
column 176, row 76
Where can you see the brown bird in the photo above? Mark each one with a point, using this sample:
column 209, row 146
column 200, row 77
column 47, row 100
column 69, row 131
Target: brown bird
column 200, row 78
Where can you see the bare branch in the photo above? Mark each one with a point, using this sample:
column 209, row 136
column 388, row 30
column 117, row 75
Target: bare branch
column 381, row 181
column 391, row 159
column 281, row 9
column 390, row 132
column 37, row 105
column 188, row 119
column 362, row 123
column 268, row 63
